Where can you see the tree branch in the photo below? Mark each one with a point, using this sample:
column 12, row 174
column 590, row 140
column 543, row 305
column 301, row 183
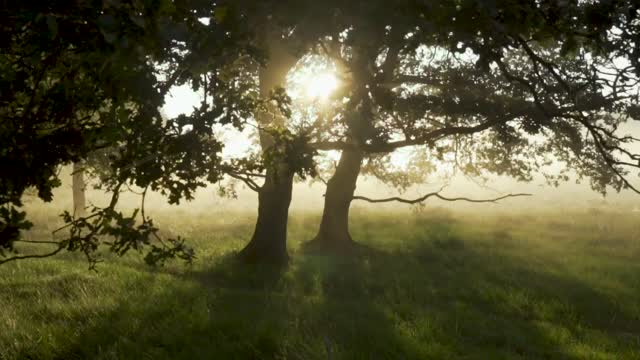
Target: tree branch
column 38, row 242
column 418, row 140
column 250, row 183
column 393, row 53
column 168, row 84
column 35, row 256
column 437, row 195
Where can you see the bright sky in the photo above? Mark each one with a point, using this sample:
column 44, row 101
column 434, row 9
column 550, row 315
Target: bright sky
column 181, row 100
column 313, row 82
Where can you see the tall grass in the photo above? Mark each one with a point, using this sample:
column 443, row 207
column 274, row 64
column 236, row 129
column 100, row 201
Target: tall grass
column 426, row 285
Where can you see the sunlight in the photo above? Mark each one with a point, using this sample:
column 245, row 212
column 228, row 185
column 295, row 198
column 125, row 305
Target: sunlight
column 314, row 79
column 320, row 86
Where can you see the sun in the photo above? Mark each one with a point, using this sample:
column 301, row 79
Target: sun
column 320, row 86
column 314, row 80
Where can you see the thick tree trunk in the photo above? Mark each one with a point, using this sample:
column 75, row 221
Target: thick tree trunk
column 269, row 241
column 78, row 188
column 333, row 235
column 334, row 227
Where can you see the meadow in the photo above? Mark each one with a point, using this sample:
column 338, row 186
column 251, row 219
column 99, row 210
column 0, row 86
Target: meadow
column 429, row 284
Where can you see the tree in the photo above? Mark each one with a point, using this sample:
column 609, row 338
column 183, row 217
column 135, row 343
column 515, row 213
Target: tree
column 495, row 77
column 269, row 240
column 510, row 79
column 375, row 43
column 81, row 77
column 289, row 29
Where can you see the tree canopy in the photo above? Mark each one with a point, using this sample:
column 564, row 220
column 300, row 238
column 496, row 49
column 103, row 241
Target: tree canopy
column 81, row 77
column 504, row 86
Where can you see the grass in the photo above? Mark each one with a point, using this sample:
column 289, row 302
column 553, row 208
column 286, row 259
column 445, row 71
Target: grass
column 431, row 285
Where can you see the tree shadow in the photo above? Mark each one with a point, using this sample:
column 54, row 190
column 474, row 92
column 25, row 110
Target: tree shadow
column 228, row 311
column 437, row 296
column 491, row 305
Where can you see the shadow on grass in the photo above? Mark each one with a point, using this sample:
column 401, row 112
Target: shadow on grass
column 439, row 297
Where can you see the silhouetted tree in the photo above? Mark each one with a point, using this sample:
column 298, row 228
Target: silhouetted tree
column 78, row 77
column 507, row 86
column 501, row 87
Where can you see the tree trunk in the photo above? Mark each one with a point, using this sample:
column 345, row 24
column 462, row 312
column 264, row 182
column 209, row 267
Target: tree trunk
column 334, row 227
column 269, row 241
column 78, row 187
column 333, row 235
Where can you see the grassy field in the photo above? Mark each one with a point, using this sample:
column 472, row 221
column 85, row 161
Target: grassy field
column 427, row 285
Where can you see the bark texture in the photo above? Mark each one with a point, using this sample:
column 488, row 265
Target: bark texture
column 334, row 227
column 269, row 241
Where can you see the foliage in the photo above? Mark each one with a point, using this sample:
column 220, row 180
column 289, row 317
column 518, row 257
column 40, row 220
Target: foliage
column 499, row 87
column 293, row 149
column 84, row 77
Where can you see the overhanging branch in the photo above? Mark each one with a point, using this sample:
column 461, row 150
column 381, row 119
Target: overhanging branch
column 247, row 180
column 423, row 139
column 437, row 195
column 33, row 256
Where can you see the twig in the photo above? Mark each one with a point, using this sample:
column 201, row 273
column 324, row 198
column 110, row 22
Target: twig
column 77, row 221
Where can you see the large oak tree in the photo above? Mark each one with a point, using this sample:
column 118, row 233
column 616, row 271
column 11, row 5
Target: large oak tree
column 505, row 85
column 499, row 87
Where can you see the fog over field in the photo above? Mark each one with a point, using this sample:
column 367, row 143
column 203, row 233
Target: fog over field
column 308, row 196
column 320, row 180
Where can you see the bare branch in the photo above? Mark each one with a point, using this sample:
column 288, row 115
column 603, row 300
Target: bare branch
column 437, row 195
column 549, row 66
column 35, row 256
column 38, row 242
column 598, row 140
column 248, row 181
column 76, row 221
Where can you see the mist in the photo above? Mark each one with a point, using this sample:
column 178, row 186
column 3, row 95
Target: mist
column 322, row 180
